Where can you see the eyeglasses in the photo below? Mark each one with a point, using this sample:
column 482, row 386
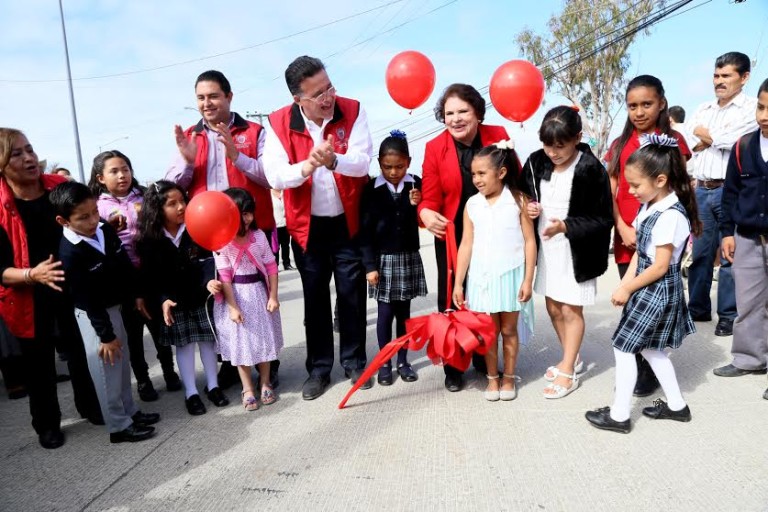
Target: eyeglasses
column 322, row 96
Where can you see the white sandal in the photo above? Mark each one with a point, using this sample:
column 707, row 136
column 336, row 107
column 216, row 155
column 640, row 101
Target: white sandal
column 492, row 396
column 508, row 395
column 561, row 391
column 578, row 368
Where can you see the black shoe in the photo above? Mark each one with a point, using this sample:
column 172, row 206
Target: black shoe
column 314, row 386
column 147, row 391
column 454, row 383
column 385, row 375
column 724, row 327
column 141, row 419
column 731, row 371
column 601, row 418
column 228, row 376
column 647, row 383
column 407, row 373
column 17, row 393
column 172, row 381
column 51, row 439
column 288, row 266
column 704, row 317
column 354, row 375
column 661, row 411
column 217, row 397
column 274, row 379
column 95, row 419
column 132, row 434
column 195, row 405
column 63, row 378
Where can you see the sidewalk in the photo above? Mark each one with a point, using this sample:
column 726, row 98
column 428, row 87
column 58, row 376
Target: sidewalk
column 414, row 446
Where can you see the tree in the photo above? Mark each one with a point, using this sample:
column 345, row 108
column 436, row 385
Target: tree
column 594, row 83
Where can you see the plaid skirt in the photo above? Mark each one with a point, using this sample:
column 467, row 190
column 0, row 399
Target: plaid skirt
column 190, row 326
column 656, row 316
column 401, row 277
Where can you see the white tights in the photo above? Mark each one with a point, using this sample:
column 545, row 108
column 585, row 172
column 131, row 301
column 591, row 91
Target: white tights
column 626, row 378
column 185, row 359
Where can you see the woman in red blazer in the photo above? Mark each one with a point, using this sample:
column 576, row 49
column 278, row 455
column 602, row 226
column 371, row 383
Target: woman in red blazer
column 447, row 181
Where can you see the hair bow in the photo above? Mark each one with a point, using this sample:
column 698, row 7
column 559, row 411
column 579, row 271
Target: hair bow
column 505, row 144
column 398, row 134
column 658, row 139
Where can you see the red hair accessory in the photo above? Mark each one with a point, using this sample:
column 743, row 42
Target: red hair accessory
column 575, row 108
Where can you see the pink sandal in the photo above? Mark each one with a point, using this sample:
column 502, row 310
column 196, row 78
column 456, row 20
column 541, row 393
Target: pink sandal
column 268, row 396
column 249, row 403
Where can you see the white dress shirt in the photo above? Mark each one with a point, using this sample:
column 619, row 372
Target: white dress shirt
column 181, row 172
column 175, row 239
column 97, row 242
column 763, row 147
column 672, row 227
column 725, row 124
column 381, row 181
column 356, row 162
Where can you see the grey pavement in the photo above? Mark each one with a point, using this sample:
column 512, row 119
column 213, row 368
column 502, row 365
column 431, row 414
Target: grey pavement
column 414, row 446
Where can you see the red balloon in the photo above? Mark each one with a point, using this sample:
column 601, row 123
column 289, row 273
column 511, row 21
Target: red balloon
column 212, row 219
column 517, row 90
column 410, row 79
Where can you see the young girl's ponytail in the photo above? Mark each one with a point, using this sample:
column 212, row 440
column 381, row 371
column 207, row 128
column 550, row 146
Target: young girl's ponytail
column 503, row 154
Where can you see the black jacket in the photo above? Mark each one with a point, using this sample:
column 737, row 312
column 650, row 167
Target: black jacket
column 744, row 204
column 387, row 226
column 98, row 281
column 590, row 213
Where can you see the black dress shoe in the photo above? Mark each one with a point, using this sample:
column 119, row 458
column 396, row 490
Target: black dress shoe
column 731, row 371
column 195, row 405
column 601, row 418
column 355, row 374
column 141, row 419
column 704, row 317
column 132, row 434
column 647, row 383
column 314, row 386
column 227, row 376
column 172, row 381
column 661, row 411
column 454, row 383
column 51, row 439
column 95, row 419
column 147, row 391
column 407, row 373
column 17, row 392
column 217, row 397
column 724, row 327
column 288, row 266
column 385, row 375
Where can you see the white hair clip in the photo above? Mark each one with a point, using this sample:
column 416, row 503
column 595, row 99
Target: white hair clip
column 658, row 139
column 505, row 144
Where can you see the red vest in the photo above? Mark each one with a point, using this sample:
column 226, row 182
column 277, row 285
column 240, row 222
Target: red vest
column 289, row 127
column 17, row 303
column 246, row 135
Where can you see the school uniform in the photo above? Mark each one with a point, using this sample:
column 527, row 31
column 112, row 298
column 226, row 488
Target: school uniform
column 100, row 277
column 745, row 217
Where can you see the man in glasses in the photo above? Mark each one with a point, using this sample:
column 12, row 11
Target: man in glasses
column 319, row 151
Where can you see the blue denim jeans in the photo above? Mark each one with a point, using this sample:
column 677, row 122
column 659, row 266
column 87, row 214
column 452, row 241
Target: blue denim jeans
column 700, row 271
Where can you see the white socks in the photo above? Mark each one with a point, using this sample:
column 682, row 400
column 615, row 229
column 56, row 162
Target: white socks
column 185, row 360
column 665, row 372
column 210, row 364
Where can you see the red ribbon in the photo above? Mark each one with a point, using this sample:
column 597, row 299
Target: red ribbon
column 451, row 337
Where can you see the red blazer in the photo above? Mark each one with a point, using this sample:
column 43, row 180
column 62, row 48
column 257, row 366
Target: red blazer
column 17, row 305
column 441, row 175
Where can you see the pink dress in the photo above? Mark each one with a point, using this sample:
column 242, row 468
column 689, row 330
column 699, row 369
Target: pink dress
column 247, row 266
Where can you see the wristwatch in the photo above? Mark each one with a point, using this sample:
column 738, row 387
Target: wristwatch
column 332, row 167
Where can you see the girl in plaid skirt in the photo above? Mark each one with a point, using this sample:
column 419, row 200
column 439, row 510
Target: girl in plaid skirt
column 655, row 315
column 175, row 273
column 389, row 240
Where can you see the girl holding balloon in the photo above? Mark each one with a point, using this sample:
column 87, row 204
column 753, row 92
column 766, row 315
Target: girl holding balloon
column 175, row 272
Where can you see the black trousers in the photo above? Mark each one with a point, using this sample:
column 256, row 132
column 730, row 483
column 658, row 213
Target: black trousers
column 331, row 252
column 399, row 311
column 284, row 240
column 134, row 328
column 441, row 256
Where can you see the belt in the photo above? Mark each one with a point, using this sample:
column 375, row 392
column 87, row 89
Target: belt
column 247, row 278
column 709, row 184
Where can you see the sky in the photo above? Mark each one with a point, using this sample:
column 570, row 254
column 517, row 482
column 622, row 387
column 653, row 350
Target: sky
column 134, row 63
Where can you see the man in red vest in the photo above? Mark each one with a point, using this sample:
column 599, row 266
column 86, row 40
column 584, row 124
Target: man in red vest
column 223, row 150
column 319, row 151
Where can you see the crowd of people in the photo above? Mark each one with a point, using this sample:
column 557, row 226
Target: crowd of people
column 85, row 268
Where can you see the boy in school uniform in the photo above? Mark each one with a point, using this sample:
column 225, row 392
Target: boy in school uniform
column 99, row 275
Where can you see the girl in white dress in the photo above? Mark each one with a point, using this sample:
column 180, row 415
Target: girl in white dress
column 572, row 208
column 498, row 248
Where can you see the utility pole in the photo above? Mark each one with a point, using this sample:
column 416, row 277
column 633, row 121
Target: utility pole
column 254, row 115
column 72, row 98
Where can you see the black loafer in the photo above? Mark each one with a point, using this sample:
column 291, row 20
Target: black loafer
column 407, row 373
column 314, row 386
column 647, row 383
column 454, row 383
column 217, row 397
column 147, row 391
column 355, row 374
column 172, row 381
column 195, row 405
column 51, row 439
column 385, row 375
column 601, row 418
column 661, row 411
column 132, row 434
column 141, row 419
column 724, row 327
column 731, row 371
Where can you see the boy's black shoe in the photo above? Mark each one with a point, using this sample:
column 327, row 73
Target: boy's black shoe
column 601, row 418
column 132, row 434
column 217, row 397
column 141, row 419
column 195, row 405
column 661, row 411
column 454, row 383
column 385, row 375
column 51, row 439
column 314, row 386
column 354, row 375
column 172, row 381
column 147, row 391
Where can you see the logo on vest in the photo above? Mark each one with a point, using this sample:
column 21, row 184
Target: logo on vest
column 241, row 141
column 340, row 144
